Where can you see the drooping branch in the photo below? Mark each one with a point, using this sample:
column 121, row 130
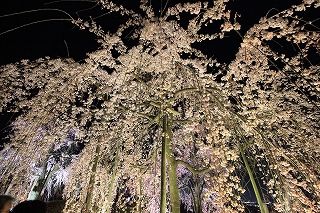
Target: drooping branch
column 193, row 170
column 263, row 207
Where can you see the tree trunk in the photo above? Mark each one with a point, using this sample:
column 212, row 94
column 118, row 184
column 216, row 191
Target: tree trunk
column 165, row 139
column 172, row 166
column 113, row 178
column 41, row 181
column 92, row 177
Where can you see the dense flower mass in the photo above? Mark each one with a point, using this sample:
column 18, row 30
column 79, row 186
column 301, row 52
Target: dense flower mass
column 144, row 127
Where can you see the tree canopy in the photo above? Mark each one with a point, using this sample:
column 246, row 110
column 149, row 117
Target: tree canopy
column 151, row 123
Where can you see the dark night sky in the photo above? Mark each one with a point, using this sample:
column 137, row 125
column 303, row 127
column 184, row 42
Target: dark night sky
column 49, row 38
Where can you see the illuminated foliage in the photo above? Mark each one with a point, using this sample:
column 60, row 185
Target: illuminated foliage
column 144, row 127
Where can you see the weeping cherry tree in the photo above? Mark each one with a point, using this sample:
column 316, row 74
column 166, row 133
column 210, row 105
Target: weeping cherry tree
column 144, row 127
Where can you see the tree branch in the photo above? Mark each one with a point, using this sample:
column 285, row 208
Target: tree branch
column 191, row 169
